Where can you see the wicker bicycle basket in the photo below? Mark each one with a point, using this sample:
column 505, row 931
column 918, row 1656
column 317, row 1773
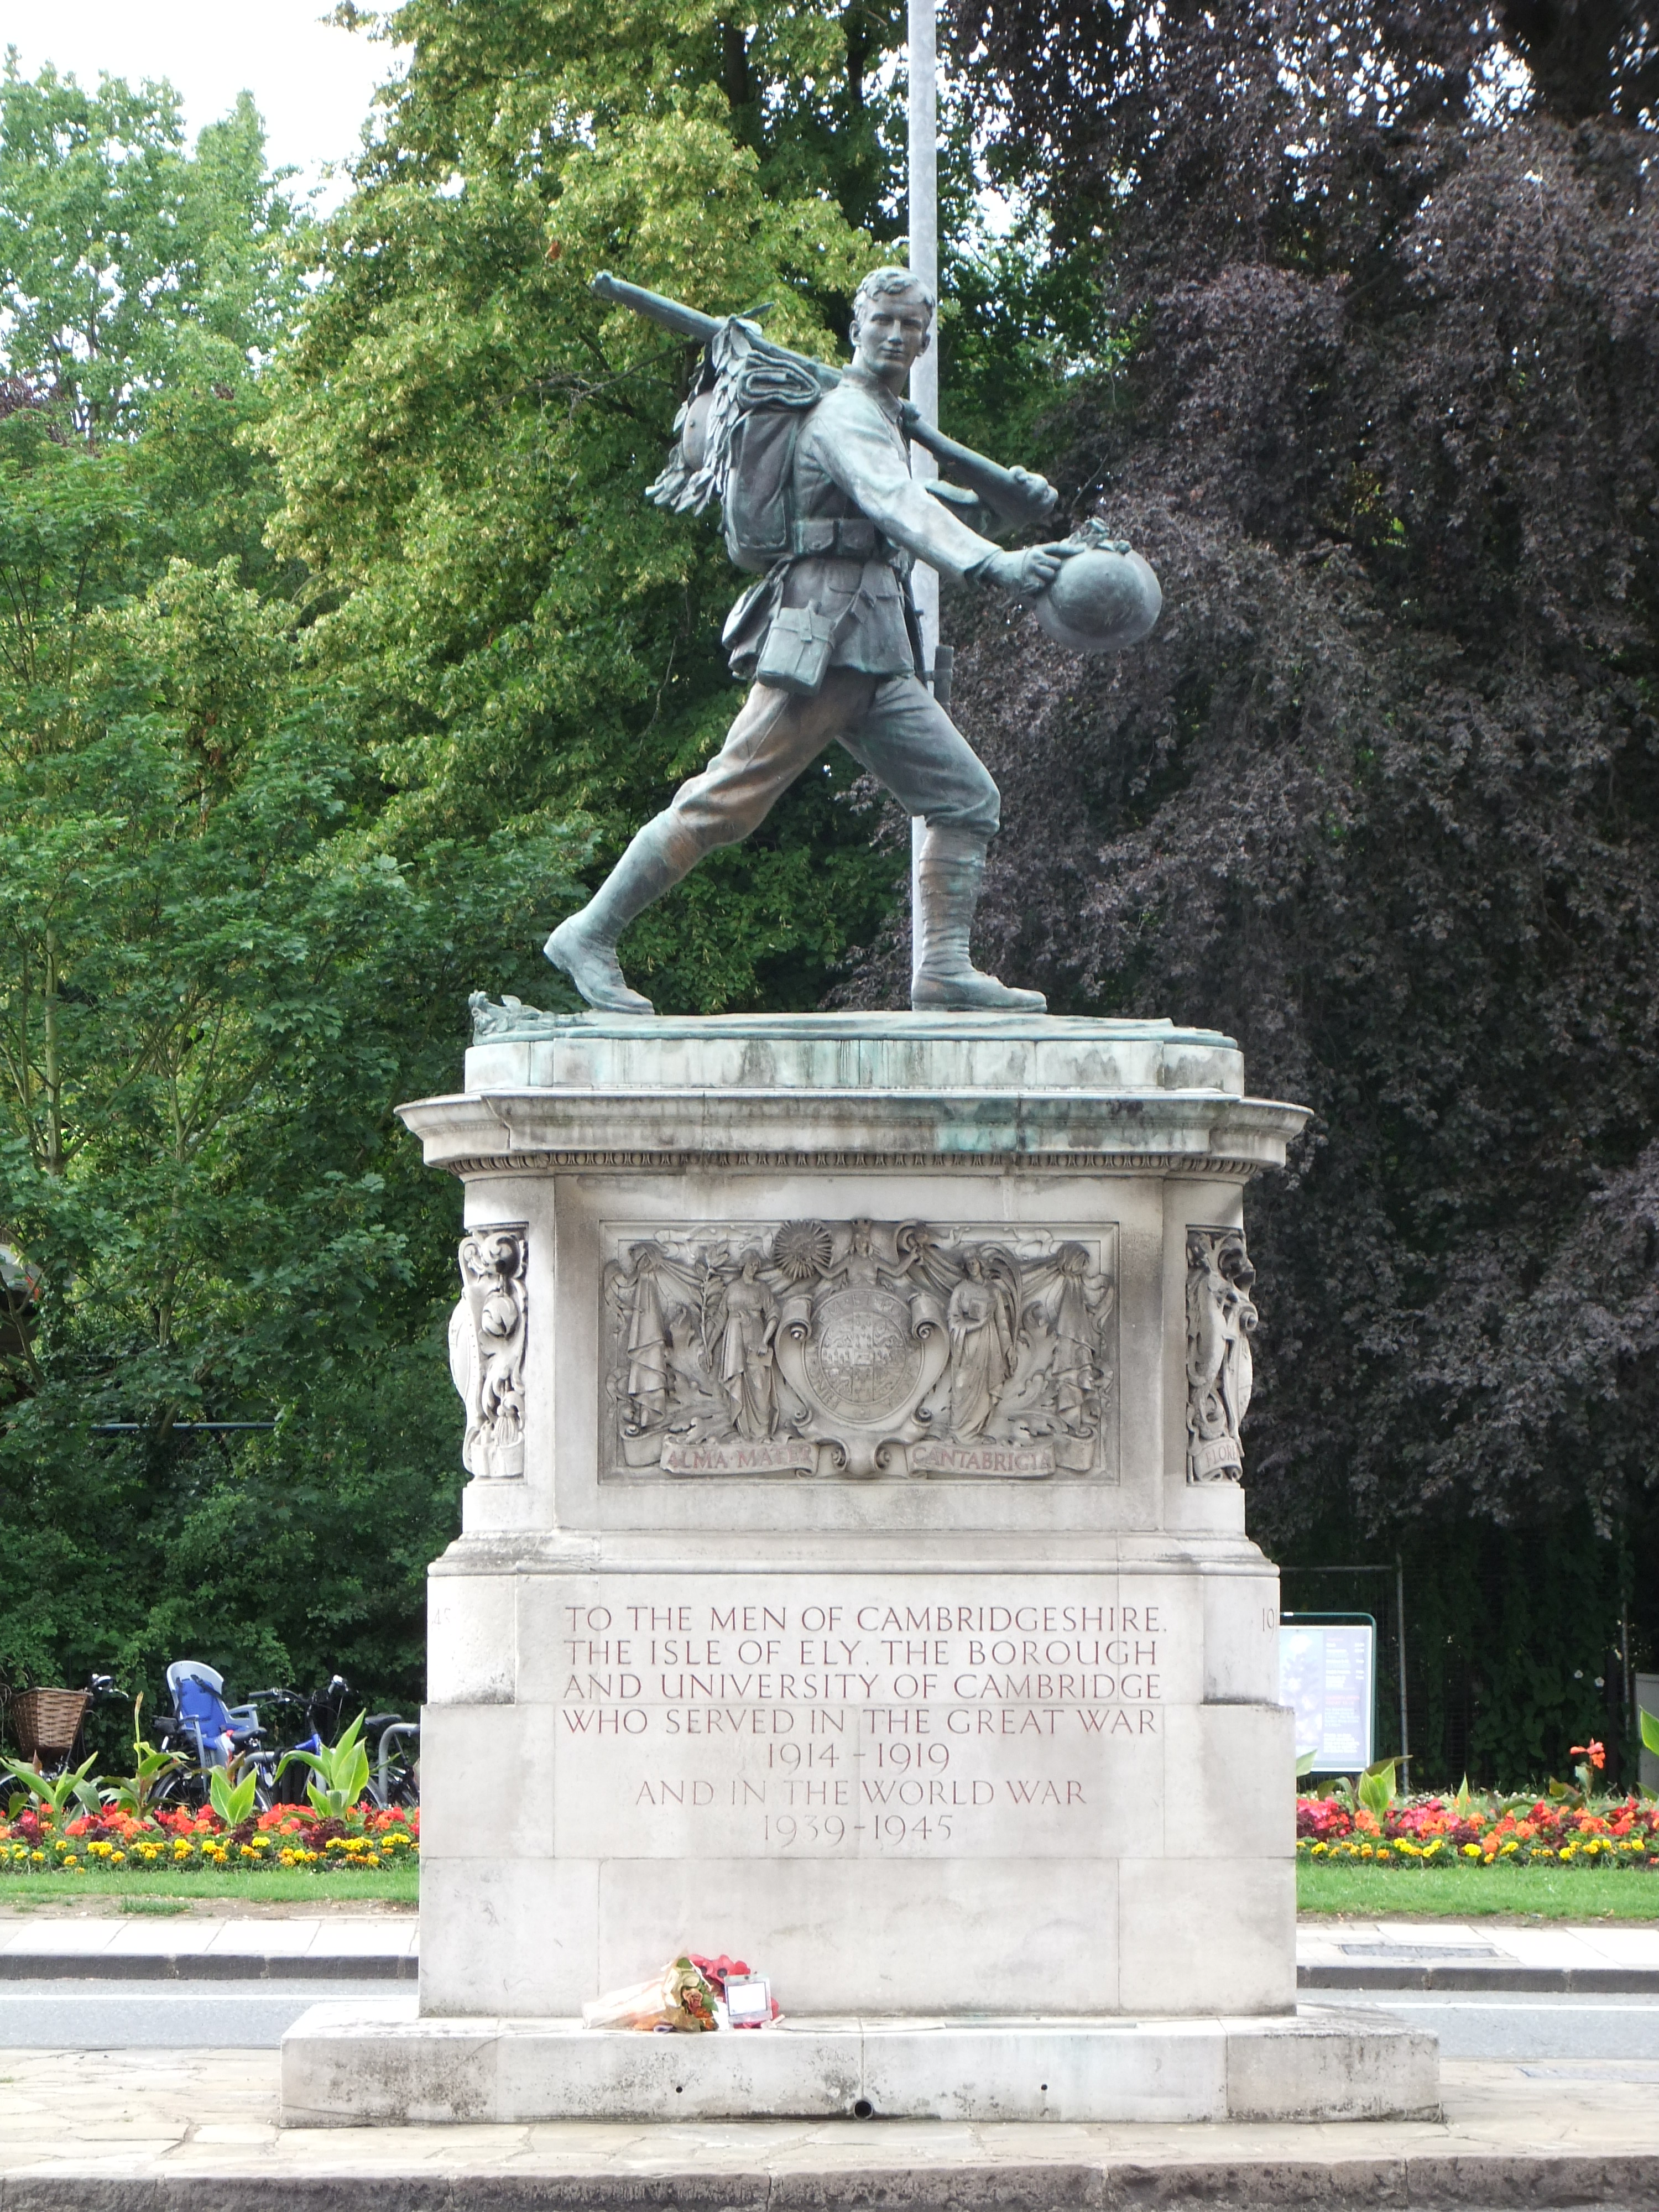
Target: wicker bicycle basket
column 46, row 1720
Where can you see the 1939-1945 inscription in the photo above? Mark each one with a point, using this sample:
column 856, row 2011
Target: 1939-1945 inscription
column 862, row 1348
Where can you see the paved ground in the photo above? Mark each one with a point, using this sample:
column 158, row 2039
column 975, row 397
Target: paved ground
column 115, row 2015
column 105, row 2014
column 1491, row 2024
column 1355, row 1954
column 197, row 2129
column 217, row 1949
column 1551, row 2098
column 1598, row 1959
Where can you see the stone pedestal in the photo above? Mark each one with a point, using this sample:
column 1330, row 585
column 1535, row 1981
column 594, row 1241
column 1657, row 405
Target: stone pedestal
column 853, row 1578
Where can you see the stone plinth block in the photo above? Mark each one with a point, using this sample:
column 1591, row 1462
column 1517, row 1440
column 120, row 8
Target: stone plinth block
column 853, row 1577
column 376, row 2062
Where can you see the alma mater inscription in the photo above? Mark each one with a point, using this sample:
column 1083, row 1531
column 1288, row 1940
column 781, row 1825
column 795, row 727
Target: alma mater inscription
column 841, row 1719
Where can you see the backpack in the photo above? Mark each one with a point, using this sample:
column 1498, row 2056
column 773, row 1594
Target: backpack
column 738, row 435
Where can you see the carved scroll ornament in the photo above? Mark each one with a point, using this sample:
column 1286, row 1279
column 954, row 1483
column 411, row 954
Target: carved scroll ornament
column 860, row 1348
column 486, row 1350
column 1220, row 1316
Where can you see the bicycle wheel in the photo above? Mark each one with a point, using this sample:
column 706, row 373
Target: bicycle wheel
column 185, row 1791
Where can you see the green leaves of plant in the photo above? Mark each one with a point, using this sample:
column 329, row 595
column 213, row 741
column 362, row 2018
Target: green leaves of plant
column 233, row 1801
column 341, row 1772
column 55, row 1791
column 1376, row 1787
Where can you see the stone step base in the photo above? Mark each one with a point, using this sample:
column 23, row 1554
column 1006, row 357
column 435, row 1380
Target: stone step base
column 366, row 2062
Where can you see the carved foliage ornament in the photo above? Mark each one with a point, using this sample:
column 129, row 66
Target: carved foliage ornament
column 1220, row 1317
column 486, row 1350
column 862, row 1348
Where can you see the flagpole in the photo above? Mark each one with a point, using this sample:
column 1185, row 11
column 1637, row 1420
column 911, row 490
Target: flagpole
column 924, row 376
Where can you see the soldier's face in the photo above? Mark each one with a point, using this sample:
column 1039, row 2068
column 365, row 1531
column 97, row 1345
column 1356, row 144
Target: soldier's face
column 891, row 332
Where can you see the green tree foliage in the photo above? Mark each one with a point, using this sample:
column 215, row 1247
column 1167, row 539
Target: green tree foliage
column 1379, row 797
column 127, row 262
column 216, row 982
column 466, row 435
column 322, row 675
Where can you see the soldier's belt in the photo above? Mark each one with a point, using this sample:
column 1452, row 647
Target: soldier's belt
column 853, row 538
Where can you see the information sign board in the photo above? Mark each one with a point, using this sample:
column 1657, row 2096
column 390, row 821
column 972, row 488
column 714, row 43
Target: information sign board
column 1326, row 1671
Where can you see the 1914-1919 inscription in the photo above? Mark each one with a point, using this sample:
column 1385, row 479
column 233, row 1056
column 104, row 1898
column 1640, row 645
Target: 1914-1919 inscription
column 862, row 1348
column 846, row 1719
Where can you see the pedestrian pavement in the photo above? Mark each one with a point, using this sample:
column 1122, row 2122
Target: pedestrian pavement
column 145, row 1949
column 196, row 2131
column 1609, row 1957
column 1606, row 1956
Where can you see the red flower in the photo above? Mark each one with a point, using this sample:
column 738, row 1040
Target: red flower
column 1595, row 1752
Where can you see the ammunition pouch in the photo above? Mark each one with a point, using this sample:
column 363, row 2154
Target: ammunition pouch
column 850, row 538
column 796, row 654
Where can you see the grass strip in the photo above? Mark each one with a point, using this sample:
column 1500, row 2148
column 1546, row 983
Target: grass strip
column 397, row 1885
column 1542, row 1893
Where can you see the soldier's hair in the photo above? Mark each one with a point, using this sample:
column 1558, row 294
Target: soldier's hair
column 881, row 280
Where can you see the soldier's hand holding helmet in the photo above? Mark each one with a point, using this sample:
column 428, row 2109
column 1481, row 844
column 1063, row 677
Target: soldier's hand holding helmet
column 1027, row 574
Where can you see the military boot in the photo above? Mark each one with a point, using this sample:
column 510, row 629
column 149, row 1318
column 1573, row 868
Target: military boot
column 584, row 945
column 950, row 876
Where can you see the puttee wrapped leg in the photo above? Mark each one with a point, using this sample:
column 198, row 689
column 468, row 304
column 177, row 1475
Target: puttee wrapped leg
column 584, row 945
column 950, row 876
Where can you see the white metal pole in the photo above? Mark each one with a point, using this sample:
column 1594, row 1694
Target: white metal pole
column 924, row 377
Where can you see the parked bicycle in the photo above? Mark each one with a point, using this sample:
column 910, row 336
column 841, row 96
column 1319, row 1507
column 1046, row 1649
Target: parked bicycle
column 392, row 1744
column 45, row 1725
column 207, row 1735
column 306, row 1722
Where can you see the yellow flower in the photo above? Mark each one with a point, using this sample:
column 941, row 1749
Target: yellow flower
column 1471, row 1851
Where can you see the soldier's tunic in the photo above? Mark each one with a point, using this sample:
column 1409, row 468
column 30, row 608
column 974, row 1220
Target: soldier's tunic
column 861, row 521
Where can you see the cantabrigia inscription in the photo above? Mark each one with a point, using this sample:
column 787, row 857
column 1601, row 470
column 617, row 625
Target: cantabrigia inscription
column 863, row 1348
column 846, row 1719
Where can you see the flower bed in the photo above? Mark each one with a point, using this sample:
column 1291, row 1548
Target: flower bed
column 1467, row 1832
column 181, row 1839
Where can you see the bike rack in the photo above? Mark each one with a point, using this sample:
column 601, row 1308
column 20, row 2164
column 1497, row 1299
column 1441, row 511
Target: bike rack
column 397, row 1728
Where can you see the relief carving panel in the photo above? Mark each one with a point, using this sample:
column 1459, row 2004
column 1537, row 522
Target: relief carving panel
column 1220, row 1317
column 486, row 1350
column 864, row 1348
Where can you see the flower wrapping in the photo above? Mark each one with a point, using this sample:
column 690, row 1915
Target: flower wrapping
column 680, row 1998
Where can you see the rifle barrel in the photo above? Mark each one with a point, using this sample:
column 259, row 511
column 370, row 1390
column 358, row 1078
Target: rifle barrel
column 656, row 308
column 1001, row 490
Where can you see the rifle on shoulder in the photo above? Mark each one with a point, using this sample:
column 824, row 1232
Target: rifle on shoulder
column 1016, row 495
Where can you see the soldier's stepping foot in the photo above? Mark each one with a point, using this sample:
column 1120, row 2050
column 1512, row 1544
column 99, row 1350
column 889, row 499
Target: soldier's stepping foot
column 592, row 966
column 974, row 992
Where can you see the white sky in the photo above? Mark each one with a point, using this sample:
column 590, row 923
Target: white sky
column 312, row 84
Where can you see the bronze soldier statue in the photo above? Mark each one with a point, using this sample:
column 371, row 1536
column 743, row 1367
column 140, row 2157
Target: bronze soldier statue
column 813, row 472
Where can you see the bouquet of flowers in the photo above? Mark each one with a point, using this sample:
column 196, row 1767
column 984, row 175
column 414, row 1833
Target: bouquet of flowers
column 681, row 2000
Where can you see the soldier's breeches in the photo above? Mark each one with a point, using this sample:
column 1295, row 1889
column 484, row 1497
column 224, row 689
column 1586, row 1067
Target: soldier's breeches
column 891, row 725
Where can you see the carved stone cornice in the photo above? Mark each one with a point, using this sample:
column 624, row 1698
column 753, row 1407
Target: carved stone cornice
column 1232, row 1170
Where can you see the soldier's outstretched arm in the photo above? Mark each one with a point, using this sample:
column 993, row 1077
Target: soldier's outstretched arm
column 856, row 452
column 1015, row 495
